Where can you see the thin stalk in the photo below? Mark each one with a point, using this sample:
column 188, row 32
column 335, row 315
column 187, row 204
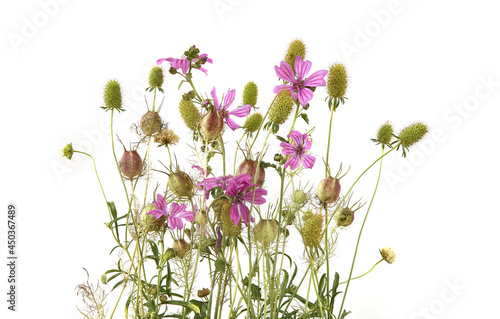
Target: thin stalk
column 366, row 273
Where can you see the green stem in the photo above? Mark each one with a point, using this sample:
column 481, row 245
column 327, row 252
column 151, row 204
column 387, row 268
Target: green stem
column 327, row 164
column 361, row 231
column 366, row 273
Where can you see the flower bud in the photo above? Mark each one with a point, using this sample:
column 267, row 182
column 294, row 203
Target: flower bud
column 297, row 47
column 131, row 164
column 337, row 81
column 181, row 248
column 190, row 114
column 201, row 218
column 312, row 231
column 412, row 134
column 345, row 217
column 384, row 135
column 150, row 123
column 156, row 77
column 253, row 122
column 68, row 151
column 147, row 220
column 211, row 125
column 104, row 279
column 249, row 167
column 113, row 96
column 250, row 94
column 281, row 108
column 265, row 231
column 388, row 254
column 227, row 224
column 169, row 254
column 329, row 190
column 180, row 183
column 299, row 197
column 203, row 292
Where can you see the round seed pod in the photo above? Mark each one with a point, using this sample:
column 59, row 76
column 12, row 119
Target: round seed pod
column 329, row 190
column 211, row 125
column 150, row 123
column 131, row 164
column 249, row 167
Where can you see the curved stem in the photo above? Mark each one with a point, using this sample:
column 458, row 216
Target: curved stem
column 361, row 231
column 366, row 273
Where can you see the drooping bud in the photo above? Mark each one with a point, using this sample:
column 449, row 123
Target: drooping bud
column 211, row 125
column 265, row 231
column 329, row 190
column 180, row 183
column 150, row 123
column 131, row 164
column 412, row 134
column 388, row 254
column 281, row 108
column 68, row 151
column 156, row 77
column 253, row 122
column 297, row 47
column 345, row 217
column 181, row 248
column 190, row 114
column 384, row 135
column 312, row 231
column 227, row 224
column 249, row 167
column 337, row 81
column 203, row 292
column 250, row 94
column 299, row 197
column 112, row 96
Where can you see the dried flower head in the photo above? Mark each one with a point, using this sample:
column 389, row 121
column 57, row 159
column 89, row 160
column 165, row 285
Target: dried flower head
column 68, row 151
column 166, row 137
column 388, row 254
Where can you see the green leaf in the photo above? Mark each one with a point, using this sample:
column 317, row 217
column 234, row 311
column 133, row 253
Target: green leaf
column 281, row 138
column 180, row 84
column 112, row 209
column 305, row 117
column 188, row 305
column 220, row 265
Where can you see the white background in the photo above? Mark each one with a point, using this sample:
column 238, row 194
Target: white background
column 408, row 61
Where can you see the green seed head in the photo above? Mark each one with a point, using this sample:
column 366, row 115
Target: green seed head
column 147, row 220
column 156, row 77
column 253, row 122
column 384, row 135
column 345, row 217
column 68, row 151
column 266, row 231
column 250, row 94
column 190, row 114
column 228, row 227
column 412, row 134
column 180, row 184
column 337, row 81
column 113, row 96
column 201, row 218
column 312, row 231
column 297, row 47
column 150, row 123
column 181, row 248
column 299, row 197
column 281, row 108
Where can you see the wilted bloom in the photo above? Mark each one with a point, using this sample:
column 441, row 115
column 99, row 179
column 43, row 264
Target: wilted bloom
column 299, row 86
column 297, row 149
column 184, row 63
column 226, row 103
column 241, row 190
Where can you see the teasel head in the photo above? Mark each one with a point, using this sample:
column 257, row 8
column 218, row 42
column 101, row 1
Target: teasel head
column 312, row 229
column 411, row 135
column 156, row 78
column 112, row 96
column 190, row 114
column 250, row 93
column 253, row 122
column 296, row 47
column 281, row 108
column 337, row 81
column 229, row 229
column 384, row 135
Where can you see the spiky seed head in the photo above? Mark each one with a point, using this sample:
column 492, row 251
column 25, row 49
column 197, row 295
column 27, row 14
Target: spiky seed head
column 384, row 135
column 388, row 254
column 345, row 217
column 253, row 122
column 229, row 229
column 329, row 190
column 312, row 231
column 337, row 81
column 131, row 164
column 250, row 93
column 266, row 231
column 412, row 134
column 211, row 125
column 156, row 77
column 150, row 123
column 190, row 114
column 281, row 108
column 113, row 96
column 180, row 184
column 217, row 206
column 249, row 167
column 299, row 197
column 297, row 47
column 68, row 151
column 181, row 248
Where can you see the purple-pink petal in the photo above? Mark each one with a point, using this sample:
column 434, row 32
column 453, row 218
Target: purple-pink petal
column 257, row 199
column 307, row 143
column 288, row 148
column 302, row 68
column 308, row 160
column 214, row 98
column 160, row 61
column 285, row 72
column 293, row 162
column 316, row 79
column 160, row 203
column 305, row 95
column 234, row 214
column 281, row 87
column 228, row 99
column 241, row 111
column 232, row 124
column 296, row 137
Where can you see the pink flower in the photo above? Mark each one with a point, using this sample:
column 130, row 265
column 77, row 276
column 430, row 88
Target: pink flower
column 223, row 108
column 176, row 213
column 299, row 87
column 161, row 207
column 242, row 191
column 297, row 149
column 184, row 63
